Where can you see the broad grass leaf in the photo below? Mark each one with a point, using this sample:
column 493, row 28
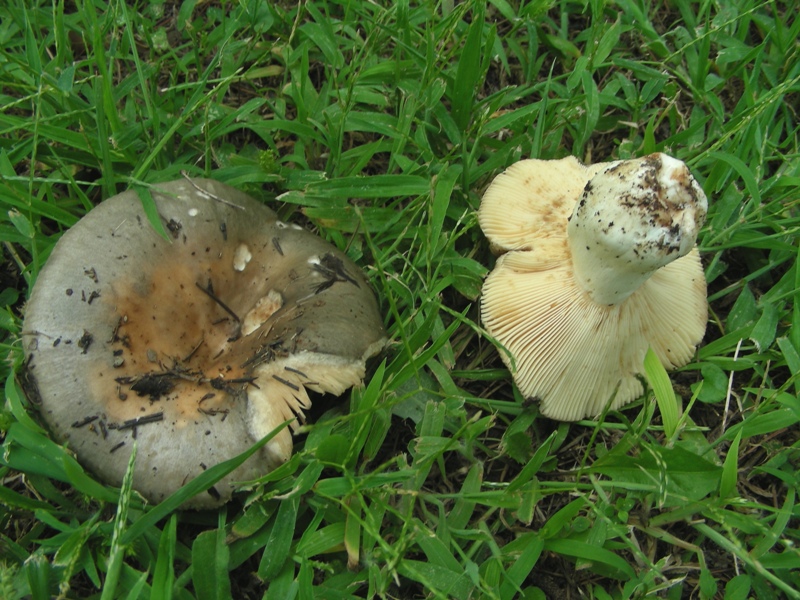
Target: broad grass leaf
column 718, row 348
column 276, row 550
column 730, row 469
column 362, row 408
column 338, row 487
column 254, row 518
column 453, row 584
column 789, row 401
column 468, row 275
column 603, row 48
column 763, row 424
column 524, row 552
column 184, row 17
column 321, row 35
column 468, row 72
column 380, row 428
column 8, row 296
column 210, row 556
column 509, row 118
column 442, row 191
column 284, row 586
column 344, row 585
column 432, row 425
column 742, row 170
column 69, row 552
column 375, row 186
column 505, row 9
column 31, row 452
column 674, row 474
column 429, row 447
column 151, row 211
column 464, row 507
column 11, row 499
column 164, row 571
column 38, row 572
column 435, row 550
column 616, row 566
column 792, row 358
column 22, row 224
column 138, row 589
column 245, row 548
column 259, row 14
column 11, row 235
column 352, row 531
column 556, row 523
column 16, row 403
column 329, row 538
column 414, row 397
column 658, row 379
column 351, row 220
column 305, row 582
column 333, row 449
column 764, row 331
column 534, row 464
column 85, row 484
column 306, row 480
column 759, row 551
column 788, row 560
column 372, row 122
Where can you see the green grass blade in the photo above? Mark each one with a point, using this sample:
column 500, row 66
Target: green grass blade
column 164, row 572
column 151, row 211
column 658, row 379
column 469, row 70
column 619, row 568
column 526, row 551
column 276, row 551
column 210, row 555
column 730, row 469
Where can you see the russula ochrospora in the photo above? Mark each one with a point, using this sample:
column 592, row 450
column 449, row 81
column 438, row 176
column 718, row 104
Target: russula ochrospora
column 598, row 264
column 197, row 346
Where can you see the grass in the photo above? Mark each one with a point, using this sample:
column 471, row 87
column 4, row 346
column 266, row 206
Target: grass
column 378, row 125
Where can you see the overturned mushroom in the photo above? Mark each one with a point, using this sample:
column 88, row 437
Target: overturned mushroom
column 599, row 263
column 198, row 346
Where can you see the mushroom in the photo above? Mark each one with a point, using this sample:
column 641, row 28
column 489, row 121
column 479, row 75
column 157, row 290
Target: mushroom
column 599, row 263
column 197, row 345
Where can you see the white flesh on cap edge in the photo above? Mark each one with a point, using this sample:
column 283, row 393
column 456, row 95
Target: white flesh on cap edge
column 288, row 380
column 573, row 353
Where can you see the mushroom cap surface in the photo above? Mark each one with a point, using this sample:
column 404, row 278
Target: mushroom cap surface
column 567, row 350
column 196, row 346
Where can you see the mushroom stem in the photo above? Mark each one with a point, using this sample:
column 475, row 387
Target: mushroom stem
column 633, row 218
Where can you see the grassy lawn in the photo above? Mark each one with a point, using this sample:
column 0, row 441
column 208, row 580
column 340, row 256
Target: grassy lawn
column 378, row 125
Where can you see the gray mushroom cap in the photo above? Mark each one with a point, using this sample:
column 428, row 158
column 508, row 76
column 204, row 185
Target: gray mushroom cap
column 196, row 346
